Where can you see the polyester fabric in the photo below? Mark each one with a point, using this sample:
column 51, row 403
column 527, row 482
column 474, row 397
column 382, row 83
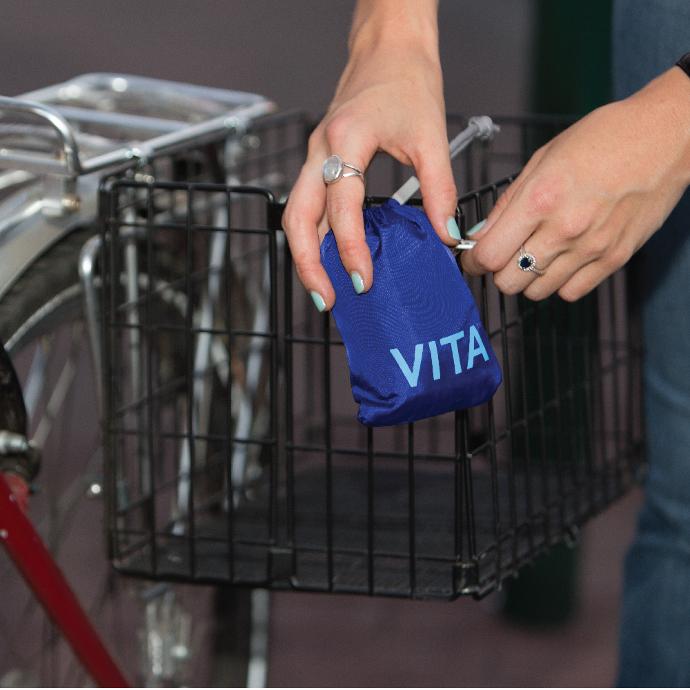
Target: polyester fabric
column 415, row 343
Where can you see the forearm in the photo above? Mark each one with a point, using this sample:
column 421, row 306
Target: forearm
column 591, row 197
column 665, row 105
column 402, row 22
column 389, row 98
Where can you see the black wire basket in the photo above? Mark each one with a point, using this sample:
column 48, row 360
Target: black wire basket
column 233, row 450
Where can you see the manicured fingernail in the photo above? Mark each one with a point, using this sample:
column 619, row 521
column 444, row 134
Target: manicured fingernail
column 357, row 282
column 476, row 228
column 319, row 302
column 453, row 229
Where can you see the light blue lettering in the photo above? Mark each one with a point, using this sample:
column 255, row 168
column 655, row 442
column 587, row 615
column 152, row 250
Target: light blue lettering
column 452, row 340
column 476, row 347
column 435, row 367
column 412, row 375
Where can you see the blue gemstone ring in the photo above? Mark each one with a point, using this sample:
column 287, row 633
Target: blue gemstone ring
column 527, row 262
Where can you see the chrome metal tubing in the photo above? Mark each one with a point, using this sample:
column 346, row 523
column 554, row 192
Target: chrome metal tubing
column 194, row 134
column 68, row 164
column 87, row 274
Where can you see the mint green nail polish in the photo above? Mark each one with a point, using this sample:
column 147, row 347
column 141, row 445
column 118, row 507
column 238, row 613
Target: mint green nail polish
column 319, row 302
column 357, row 282
column 453, row 229
column 476, row 228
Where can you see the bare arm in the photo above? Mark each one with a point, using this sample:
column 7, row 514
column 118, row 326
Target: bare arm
column 593, row 196
column 389, row 98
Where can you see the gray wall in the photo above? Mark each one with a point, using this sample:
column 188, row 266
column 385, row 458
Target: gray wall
column 291, row 51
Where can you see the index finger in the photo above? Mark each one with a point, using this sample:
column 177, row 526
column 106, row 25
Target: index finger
column 474, row 265
column 503, row 235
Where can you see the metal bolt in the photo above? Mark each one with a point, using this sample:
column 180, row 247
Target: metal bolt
column 94, row 490
column 485, row 126
column 251, row 141
column 71, row 203
column 179, row 652
column 12, row 443
column 4, row 534
column 144, row 177
column 231, row 123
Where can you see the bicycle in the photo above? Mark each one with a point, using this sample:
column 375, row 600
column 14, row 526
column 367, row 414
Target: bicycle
column 231, row 452
column 56, row 145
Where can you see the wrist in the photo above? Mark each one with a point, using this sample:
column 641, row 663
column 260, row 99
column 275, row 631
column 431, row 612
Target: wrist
column 667, row 99
column 410, row 25
column 679, row 86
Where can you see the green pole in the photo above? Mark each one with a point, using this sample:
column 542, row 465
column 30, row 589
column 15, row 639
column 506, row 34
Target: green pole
column 572, row 58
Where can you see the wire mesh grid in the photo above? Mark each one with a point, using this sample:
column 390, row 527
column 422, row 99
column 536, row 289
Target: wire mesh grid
column 233, row 449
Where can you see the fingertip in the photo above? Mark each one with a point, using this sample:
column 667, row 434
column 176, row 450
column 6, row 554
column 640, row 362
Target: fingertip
column 313, row 276
column 361, row 271
column 318, row 300
column 357, row 282
column 453, row 229
column 446, row 227
column 477, row 230
column 322, row 295
column 468, row 264
column 364, row 278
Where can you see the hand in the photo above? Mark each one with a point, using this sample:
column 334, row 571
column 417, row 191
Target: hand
column 591, row 197
column 389, row 98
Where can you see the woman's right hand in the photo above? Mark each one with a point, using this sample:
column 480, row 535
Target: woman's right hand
column 389, row 98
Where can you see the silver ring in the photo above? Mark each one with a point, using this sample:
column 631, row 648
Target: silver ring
column 335, row 168
column 527, row 262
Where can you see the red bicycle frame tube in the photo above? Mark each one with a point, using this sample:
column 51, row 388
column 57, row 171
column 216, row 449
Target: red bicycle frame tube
column 50, row 587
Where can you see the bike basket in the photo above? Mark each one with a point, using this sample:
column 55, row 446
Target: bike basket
column 233, row 450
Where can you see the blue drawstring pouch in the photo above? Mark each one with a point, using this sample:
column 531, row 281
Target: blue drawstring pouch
column 415, row 344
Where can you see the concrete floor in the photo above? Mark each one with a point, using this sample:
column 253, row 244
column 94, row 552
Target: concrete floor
column 324, row 640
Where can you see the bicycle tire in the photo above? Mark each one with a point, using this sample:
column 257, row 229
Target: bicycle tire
column 56, row 273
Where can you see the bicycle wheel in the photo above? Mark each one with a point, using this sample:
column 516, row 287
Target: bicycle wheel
column 160, row 633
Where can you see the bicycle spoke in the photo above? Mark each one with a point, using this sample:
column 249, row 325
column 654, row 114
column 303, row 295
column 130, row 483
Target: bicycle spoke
column 35, row 380
column 60, row 391
column 9, row 641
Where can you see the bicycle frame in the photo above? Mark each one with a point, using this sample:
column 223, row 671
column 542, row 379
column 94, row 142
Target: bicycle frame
column 57, row 193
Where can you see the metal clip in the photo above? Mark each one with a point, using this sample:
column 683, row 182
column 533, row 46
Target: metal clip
column 12, row 443
column 463, row 244
column 18, row 455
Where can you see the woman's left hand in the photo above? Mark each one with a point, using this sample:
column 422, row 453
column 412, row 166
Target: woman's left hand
column 592, row 196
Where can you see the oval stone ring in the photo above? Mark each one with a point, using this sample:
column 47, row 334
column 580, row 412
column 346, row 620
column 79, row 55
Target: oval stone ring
column 334, row 168
column 527, row 262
